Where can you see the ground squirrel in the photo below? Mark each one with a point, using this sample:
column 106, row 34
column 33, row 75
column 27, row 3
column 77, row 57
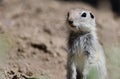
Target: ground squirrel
column 86, row 59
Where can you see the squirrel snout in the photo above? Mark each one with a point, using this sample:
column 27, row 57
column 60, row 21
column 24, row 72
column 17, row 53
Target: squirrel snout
column 70, row 22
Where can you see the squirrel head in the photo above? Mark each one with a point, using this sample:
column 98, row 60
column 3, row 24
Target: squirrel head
column 81, row 20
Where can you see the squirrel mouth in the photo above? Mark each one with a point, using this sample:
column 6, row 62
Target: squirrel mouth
column 72, row 26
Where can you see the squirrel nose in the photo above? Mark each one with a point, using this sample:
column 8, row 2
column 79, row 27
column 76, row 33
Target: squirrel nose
column 70, row 22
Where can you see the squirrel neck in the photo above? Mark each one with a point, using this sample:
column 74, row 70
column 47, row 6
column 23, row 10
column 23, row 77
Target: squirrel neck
column 75, row 35
column 81, row 33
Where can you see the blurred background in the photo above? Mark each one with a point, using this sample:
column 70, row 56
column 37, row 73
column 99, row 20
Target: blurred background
column 33, row 36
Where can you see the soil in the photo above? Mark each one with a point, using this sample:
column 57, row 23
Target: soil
column 37, row 34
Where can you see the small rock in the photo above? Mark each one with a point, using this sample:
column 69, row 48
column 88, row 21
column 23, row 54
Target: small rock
column 29, row 73
column 15, row 77
column 47, row 31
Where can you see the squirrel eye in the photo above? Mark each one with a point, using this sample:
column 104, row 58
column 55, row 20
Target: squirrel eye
column 91, row 15
column 83, row 15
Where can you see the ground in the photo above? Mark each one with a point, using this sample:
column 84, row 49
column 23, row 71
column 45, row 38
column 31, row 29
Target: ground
column 33, row 38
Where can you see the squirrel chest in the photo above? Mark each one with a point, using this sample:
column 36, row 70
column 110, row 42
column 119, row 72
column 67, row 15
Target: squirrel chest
column 81, row 48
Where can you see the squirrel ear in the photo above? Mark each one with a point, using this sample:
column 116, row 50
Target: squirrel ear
column 68, row 14
column 91, row 15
